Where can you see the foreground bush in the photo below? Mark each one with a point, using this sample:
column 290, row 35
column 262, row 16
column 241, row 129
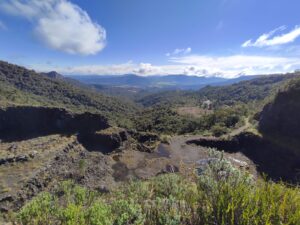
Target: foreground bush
column 219, row 195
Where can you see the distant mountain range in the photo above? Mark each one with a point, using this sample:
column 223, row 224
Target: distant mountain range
column 169, row 82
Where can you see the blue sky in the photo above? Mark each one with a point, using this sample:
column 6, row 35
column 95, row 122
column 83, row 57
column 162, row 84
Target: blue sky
column 148, row 37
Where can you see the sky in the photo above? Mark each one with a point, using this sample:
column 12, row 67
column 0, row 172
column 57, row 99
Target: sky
column 225, row 38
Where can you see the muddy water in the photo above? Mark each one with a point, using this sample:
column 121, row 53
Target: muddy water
column 134, row 164
column 163, row 150
column 142, row 165
column 120, row 171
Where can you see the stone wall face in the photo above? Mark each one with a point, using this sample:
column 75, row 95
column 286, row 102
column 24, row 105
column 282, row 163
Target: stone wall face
column 19, row 122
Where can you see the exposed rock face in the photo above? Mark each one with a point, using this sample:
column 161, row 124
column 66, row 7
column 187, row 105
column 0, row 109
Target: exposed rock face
column 116, row 139
column 144, row 137
column 282, row 116
column 20, row 158
column 72, row 161
column 279, row 123
column 23, row 122
column 274, row 160
column 104, row 141
column 145, row 141
column 230, row 146
column 53, row 75
column 28, row 140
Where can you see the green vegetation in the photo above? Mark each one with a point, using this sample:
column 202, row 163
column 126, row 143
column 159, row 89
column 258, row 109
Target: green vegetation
column 167, row 98
column 281, row 116
column 26, row 87
column 231, row 104
column 218, row 194
column 279, row 121
column 164, row 120
column 243, row 92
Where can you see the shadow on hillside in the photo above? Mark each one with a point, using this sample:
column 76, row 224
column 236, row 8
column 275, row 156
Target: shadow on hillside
column 94, row 142
column 275, row 161
column 26, row 122
column 23, row 137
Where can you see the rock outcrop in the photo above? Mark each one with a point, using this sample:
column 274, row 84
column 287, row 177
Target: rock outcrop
column 26, row 122
column 117, row 139
column 272, row 159
column 69, row 162
column 19, row 158
column 105, row 141
column 53, row 75
column 144, row 141
column 281, row 116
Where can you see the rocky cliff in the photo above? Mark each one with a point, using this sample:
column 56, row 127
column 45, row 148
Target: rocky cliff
column 26, row 122
column 276, row 161
column 281, row 117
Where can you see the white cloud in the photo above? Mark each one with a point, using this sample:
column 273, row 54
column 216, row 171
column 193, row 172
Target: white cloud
column 146, row 68
column 143, row 69
column 269, row 39
column 60, row 24
column 180, row 51
column 227, row 66
column 231, row 66
column 117, row 69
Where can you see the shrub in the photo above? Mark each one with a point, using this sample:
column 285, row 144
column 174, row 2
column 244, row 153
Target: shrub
column 166, row 211
column 221, row 194
column 127, row 212
column 219, row 130
column 41, row 210
column 72, row 215
column 99, row 214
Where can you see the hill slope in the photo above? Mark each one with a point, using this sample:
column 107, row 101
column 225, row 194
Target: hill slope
column 20, row 86
column 244, row 92
column 167, row 82
column 281, row 116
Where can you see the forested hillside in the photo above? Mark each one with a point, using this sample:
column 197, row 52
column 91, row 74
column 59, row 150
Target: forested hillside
column 20, row 86
column 229, row 106
column 243, row 92
column 26, row 87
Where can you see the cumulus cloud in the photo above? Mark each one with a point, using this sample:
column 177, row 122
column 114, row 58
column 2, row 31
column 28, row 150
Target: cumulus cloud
column 198, row 71
column 232, row 66
column 60, row 24
column 196, row 65
column 269, row 39
column 146, row 68
column 179, row 51
column 114, row 69
column 142, row 69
